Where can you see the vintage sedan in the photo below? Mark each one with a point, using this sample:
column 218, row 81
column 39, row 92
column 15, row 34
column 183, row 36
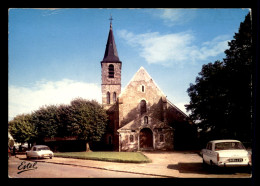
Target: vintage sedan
column 39, row 151
column 226, row 153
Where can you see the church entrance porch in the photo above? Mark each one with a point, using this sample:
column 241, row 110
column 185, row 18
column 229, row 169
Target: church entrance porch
column 146, row 139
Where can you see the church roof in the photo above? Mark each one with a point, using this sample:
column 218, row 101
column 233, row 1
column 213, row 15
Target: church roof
column 111, row 54
column 142, row 75
column 137, row 124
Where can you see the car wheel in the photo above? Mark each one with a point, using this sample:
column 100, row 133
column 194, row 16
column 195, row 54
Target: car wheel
column 27, row 157
column 212, row 166
column 204, row 163
column 50, row 157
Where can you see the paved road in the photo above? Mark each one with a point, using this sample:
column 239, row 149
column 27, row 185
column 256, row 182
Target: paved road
column 164, row 164
column 49, row 170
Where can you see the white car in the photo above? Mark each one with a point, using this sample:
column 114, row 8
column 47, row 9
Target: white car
column 226, row 153
column 39, row 151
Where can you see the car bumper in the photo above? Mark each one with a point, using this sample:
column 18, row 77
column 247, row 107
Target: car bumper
column 45, row 155
column 227, row 164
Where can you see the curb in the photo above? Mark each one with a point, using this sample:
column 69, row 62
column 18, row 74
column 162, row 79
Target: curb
column 149, row 174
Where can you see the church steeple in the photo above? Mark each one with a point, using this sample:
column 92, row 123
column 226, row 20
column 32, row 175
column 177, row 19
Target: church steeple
column 111, row 51
column 111, row 72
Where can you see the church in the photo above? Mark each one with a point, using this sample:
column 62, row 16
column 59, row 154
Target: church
column 140, row 116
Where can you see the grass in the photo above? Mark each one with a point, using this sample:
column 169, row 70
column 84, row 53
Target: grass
column 123, row 157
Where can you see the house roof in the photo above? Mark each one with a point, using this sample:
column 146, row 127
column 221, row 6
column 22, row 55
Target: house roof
column 111, row 54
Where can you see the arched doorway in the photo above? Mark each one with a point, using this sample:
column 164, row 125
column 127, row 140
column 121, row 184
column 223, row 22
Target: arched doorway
column 146, row 138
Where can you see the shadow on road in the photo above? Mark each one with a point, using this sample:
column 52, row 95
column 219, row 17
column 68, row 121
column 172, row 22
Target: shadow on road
column 198, row 168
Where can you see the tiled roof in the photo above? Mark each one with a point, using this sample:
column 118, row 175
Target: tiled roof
column 111, row 54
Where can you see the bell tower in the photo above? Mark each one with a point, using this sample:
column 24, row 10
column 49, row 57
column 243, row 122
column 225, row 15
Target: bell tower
column 110, row 72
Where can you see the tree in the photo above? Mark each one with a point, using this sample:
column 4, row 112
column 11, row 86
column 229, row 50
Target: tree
column 88, row 120
column 221, row 99
column 22, row 129
column 45, row 121
column 208, row 98
column 82, row 118
column 239, row 65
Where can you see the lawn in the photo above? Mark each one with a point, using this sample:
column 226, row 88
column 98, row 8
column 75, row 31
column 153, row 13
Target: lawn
column 123, row 157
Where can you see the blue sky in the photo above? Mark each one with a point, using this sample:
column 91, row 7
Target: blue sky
column 54, row 54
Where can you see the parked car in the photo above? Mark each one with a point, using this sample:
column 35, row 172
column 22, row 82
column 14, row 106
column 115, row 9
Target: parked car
column 226, row 153
column 39, row 151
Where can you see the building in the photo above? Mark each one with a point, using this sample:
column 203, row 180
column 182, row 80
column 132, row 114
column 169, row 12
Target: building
column 140, row 117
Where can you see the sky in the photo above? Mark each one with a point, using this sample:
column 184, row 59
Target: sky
column 54, row 54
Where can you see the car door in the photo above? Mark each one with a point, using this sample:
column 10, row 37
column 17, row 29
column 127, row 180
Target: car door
column 33, row 152
column 207, row 155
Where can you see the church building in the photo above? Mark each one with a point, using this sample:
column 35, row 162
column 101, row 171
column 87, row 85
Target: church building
column 140, row 117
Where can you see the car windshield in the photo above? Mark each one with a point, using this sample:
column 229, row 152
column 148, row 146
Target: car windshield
column 43, row 148
column 229, row 146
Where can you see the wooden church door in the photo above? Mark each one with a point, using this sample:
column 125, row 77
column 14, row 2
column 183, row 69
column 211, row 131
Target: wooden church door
column 146, row 138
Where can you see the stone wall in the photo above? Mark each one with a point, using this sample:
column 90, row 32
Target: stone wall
column 130, row 99
column 110, row 84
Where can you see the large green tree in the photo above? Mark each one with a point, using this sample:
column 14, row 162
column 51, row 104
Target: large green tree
column 88, row 120
column 45, row 120
column 221, row 98
column 82, row 118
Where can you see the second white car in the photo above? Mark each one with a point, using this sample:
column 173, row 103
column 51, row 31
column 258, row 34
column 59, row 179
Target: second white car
column 226, row 153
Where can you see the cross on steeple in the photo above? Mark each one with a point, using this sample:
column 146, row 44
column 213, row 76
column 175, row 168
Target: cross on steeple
column 110, row 21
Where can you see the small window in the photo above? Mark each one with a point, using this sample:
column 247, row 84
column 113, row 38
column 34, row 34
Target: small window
column 161, row 138
column 34, row 148
column 108, row 97
column 146, row 120
column 114, row 97
column 143, row 107
column 111, row 71
column 142, row 88
column 131, row 138
column 126, row 138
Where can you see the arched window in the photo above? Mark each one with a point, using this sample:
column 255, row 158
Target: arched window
column 108, row 97
column 143, row 107
column 131, row 138
column 114, row 97
column 146, row 120
column 161, row 138
column 111, row 71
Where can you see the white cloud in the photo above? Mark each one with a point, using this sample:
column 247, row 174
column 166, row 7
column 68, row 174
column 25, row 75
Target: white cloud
column 172, row 17
column 175, row 48
column 25, row 100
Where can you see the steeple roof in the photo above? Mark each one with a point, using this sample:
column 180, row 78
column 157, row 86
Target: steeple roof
column 111, row 54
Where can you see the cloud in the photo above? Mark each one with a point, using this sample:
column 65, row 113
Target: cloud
column 25, row 100
column 172, row 17
column 174, row 48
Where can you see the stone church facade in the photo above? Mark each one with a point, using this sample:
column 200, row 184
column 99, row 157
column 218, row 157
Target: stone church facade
column 140, row 117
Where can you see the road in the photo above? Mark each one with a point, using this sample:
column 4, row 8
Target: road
column 164, row 164
column 48, row 170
